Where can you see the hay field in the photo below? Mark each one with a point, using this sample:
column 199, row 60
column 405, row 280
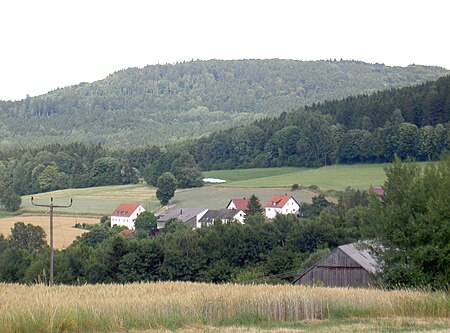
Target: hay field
column 96, row 201
column 200, row 307
column 63, row 231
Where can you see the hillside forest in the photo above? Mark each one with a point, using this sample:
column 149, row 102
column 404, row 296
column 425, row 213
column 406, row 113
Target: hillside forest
column 164, row 104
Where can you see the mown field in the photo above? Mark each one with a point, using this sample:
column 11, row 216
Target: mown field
column 199, row 307
column 64, row 232
column 95, row 201
column 334, row 177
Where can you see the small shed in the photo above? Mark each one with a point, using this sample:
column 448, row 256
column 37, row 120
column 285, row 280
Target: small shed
column 346, row 266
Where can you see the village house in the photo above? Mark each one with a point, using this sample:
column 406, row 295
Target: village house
column 224, row 215
column 281, row 204
column 125, row 215
column 346, row 266
column 191, row 216
column 378, row 191
column 239, row 204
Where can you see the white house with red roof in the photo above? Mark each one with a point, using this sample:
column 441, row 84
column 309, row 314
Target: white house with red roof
column 126, row 214
column 281, row 204
column 238, row 204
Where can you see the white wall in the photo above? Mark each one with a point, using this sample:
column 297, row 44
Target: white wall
column 127, row 222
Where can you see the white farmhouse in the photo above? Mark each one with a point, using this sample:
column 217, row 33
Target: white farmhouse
column 126, row 214
column 281, row 204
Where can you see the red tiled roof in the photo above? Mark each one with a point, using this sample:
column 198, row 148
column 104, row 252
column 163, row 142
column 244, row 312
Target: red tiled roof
column 127, row 232
column 241, row 204
column 379, row 191
column 278, row 201
column 125, row 210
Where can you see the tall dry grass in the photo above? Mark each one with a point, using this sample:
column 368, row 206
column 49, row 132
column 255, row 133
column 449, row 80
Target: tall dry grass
column 113, row 308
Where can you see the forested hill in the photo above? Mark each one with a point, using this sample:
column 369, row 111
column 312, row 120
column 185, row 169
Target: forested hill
column 165, row 103
column 411, row 121
column 424, row 104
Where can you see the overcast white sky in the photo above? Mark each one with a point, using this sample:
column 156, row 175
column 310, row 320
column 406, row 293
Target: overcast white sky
column 48, row 44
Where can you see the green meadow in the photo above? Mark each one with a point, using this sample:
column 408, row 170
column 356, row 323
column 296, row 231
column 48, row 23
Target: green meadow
column 334, row 177
column 263, row 182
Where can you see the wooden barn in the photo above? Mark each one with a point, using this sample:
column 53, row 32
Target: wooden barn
column 346, row 266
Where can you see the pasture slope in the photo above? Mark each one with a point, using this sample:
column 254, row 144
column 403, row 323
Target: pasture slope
column 263, row 182
column 334, row 177
column 200, row 307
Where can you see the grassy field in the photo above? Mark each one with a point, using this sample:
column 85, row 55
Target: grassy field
column 95, row 201
column 335, row 177
column 241, row 183
column 64, row 232
column 215, row 197
column 196, row 307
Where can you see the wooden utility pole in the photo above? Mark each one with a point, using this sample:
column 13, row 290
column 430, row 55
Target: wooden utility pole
column 51, row 206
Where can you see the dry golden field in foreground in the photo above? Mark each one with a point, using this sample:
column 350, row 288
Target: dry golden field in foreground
column 199, row 307
column 64, row 232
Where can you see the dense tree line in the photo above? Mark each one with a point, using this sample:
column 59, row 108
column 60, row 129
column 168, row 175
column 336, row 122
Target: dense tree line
column 56, row 167
column 168, row 103
column 27, row 171
column 304, row 138
column 427, row 104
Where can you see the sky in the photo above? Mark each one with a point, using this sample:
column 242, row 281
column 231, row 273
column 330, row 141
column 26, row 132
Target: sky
column 48, row 44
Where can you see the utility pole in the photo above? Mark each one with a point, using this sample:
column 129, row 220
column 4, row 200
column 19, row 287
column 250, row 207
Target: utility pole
column 51, row 206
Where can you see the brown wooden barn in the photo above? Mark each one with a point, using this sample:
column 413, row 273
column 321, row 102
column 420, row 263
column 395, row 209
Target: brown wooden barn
column 346, row 266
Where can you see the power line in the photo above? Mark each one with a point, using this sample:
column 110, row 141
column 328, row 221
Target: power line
column 51, row 206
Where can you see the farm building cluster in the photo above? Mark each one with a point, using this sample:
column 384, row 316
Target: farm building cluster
column 125, row 214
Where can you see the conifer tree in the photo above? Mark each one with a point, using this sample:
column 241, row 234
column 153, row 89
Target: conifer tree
column 254, row 206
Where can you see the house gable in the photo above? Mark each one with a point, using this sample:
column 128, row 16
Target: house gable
column 238, row 204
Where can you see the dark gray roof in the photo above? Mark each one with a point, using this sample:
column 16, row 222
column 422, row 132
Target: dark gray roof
column 223, row 214
column 361, row 255
column 182, row 214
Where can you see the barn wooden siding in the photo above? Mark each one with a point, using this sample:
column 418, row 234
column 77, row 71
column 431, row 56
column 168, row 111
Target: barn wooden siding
column 336, row 270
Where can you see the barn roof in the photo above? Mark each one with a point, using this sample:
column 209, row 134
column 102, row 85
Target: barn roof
column 361, row 256
column 358, row 254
